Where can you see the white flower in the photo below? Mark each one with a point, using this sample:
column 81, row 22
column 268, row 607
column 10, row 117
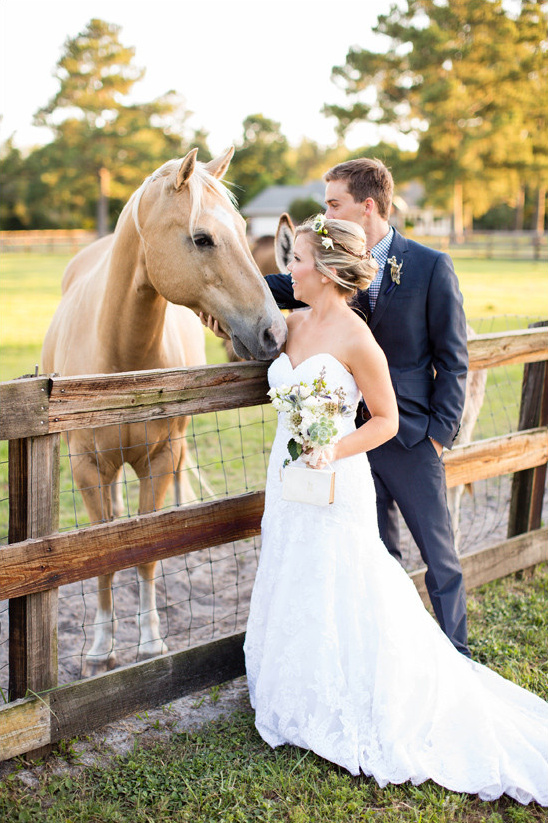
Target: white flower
column 281, row 405
column 312, row 402
column 305, row 391
column 319, row 223
column 312, row 414
column 327, row 242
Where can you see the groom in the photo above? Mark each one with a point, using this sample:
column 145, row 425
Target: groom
column 414, row 309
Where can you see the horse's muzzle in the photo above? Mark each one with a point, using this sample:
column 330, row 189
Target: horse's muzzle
column 265, row 344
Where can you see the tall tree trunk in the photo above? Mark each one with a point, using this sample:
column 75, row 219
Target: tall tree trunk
column 520, row 206
column 468, row 217
column 458, row 217
column 102, row 204
column 541, row 210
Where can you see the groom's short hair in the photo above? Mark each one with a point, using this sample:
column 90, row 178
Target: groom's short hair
column 366, row 177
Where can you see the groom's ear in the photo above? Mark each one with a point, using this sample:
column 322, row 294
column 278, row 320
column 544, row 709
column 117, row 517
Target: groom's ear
column 283, row 244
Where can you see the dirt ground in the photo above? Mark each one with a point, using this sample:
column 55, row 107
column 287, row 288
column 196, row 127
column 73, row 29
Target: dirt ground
column 200, row 597
column 99, row 748
column 204, row 595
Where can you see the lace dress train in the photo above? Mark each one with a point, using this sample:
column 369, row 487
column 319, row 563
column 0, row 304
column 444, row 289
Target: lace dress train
column 343, row 659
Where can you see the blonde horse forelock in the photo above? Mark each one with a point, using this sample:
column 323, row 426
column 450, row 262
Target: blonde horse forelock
column 198, row 182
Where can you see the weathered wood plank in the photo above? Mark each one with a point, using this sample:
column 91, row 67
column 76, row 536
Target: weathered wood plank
column 100, row 400
column 24, row 726
column 33, row 618
column 38, row 565
column 24, row 407
column 496, row 456
column 89, row 704
column 522, row 346
column 528, row 486
column 496, row 561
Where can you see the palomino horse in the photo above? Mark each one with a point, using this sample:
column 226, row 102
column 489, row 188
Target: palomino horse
column 475, row 381
column 179, row 242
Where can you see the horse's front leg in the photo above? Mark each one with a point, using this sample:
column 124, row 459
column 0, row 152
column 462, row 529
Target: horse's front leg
column 97, row 498
column 152, row 492
column 151, row 643
column 102, row 655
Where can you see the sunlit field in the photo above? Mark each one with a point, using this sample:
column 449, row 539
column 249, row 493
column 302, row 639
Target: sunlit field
column 30, row 289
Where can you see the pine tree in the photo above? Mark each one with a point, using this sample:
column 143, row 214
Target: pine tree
column 463, row 78
column 104, row 146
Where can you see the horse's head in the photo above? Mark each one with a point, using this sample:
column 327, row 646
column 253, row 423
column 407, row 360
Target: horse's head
column 194, row 252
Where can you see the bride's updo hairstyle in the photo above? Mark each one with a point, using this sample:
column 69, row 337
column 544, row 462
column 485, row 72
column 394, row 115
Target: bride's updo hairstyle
column 340, row 245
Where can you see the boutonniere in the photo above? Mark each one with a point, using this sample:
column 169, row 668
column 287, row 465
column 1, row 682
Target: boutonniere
column 395, row 270
column 395, row 273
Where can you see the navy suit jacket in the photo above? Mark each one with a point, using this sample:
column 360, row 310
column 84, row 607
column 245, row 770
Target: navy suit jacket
column 421, row 327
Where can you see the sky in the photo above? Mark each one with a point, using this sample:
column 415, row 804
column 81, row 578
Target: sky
column 228, row 59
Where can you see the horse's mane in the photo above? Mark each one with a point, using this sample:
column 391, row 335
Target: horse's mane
column 198, row 182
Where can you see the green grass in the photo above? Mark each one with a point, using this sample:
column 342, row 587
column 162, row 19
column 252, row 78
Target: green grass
column 226, row 773
column 492, row 288
column 30, row 287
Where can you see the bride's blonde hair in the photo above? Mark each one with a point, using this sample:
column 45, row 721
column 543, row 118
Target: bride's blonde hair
column 340, row 245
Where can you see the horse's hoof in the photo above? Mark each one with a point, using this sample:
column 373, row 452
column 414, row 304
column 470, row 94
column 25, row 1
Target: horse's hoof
column 154, row 648
column 93, row 666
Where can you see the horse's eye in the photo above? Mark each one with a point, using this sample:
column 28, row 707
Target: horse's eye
column 203, row 241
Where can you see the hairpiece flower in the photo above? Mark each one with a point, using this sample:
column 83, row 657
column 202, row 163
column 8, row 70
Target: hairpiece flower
column 318, row 225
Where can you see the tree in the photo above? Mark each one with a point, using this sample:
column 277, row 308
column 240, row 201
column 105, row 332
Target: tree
column 456, row 76
column 103, row 146
column 261, row 159
column 531, row 163
column 311, row 161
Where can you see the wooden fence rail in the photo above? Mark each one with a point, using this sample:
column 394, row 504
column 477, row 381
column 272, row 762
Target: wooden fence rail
column 38, row 559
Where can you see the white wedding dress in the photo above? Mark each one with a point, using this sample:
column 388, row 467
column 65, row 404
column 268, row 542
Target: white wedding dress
column 343, row 659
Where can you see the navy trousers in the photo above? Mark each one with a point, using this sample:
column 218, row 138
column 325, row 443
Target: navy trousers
column 414, row 479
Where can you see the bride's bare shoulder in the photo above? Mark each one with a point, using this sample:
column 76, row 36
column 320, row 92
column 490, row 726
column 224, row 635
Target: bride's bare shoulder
column 295, row 318
column 360, row 340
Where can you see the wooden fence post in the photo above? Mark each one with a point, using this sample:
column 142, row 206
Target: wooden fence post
column 34, row 512
column 528, row 485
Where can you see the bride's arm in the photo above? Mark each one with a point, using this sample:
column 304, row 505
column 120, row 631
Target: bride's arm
column 368, row 365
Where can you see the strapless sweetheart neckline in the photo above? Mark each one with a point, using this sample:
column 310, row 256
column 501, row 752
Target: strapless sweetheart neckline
column 311, row 357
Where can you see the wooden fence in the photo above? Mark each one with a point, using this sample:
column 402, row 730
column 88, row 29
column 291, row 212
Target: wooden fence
column 526, row 245
column 509, row 245
column 39, row 559
column 59, row 241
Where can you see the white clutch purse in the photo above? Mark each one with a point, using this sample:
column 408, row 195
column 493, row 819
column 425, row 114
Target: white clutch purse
column 303, row 485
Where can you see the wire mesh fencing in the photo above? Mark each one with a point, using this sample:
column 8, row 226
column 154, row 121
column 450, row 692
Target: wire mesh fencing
column 205, row 594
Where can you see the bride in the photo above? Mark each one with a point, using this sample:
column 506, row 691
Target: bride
column 341, row 656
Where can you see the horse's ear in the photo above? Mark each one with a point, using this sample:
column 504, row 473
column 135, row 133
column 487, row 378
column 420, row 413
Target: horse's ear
column 283, row 245
column 186, row 168
column 219, row 166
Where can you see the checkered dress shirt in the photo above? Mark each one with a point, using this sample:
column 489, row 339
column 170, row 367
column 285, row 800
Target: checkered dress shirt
column 380, row 253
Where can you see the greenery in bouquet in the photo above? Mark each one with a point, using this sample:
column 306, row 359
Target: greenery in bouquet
column 312, row 414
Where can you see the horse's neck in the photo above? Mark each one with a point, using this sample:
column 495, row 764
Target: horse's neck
column 132, row 316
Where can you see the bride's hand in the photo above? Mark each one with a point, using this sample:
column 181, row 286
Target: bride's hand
column 318, row 459
column 212, row 324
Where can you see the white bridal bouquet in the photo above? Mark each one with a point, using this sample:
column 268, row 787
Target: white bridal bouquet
column 313, row 415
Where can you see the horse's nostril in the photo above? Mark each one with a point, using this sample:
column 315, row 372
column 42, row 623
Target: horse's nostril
column 270, row 342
